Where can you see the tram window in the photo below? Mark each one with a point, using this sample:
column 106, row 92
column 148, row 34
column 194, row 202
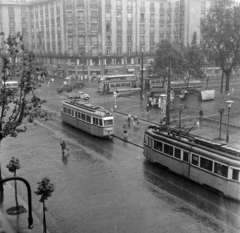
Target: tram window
column 158, row 145
column 69, row 111
column 100, row 122
column 185, row 156
column 128, row 84
column 145, row 139
column 79, row 115
column 221, row 169
column 206, row 164
column 235, row 174
column 177, row 153
column 83, row 116
column 122, row 84
column 108, row 122
column 88, row 118
column 195, row 159
column 117, row 84
column 65, row 109
column 72, row 112
column 112, row 85
column 168, row 149
column 76, row 114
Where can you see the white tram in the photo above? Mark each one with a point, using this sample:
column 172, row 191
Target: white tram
column 92, row 119
column 208, row 163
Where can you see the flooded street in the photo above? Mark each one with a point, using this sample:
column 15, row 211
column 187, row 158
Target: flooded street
column 107, row 186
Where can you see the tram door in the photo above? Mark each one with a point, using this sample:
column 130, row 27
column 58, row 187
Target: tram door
column 234, row 183
column 149, row 148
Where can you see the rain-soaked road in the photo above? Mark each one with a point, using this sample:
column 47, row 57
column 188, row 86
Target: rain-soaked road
column 107, row 186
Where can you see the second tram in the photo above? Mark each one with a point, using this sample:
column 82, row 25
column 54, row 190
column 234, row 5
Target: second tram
column 208, row 163
column 94, row 120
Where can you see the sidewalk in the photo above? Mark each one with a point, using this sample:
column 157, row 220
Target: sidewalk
column 19, row 223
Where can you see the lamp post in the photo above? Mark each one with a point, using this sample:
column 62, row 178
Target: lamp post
column 229, row 102
column 82, row 55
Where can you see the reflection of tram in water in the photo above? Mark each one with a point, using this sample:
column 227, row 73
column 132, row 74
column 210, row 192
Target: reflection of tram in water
column 121, row 81
column 92, row 119
column 208, row 163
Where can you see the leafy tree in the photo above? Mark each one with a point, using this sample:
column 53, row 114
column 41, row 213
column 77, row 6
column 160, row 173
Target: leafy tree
column 193, row 61
column 12, row 167
column 44, row 189
column 220, row 30
column 16, row 107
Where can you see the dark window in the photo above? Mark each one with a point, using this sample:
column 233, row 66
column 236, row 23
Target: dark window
column 117, row 84
column 64, row 109
column 79, row 115
column 235, row 174
column 177, row 153
column 100, row 122
column 69, row 111
column 83, row 116
column 112, row 85
column 122, row 84
column 168, row 149
column 206, row 164
column 75, row 113
column 158, row 145
column 195, row 159
column 185, row 156
column 88, row 118
column 72, row 112
column 221, row 169
column 127, row 84
column 108, row 122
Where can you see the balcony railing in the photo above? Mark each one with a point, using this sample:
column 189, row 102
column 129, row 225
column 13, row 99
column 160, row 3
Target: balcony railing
column 109, row 31
column 161, row 21
column 119, row 7
column 93, row 6
column 108, row 7
column 108, row 19
column 119, row 31
column 119, row 42
column 129, row 31
column 80, row 5
column 108, row 43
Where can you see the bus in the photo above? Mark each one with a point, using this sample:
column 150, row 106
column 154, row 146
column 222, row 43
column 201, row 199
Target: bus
column 206, row 162
column 117, row 82
column 92, row 119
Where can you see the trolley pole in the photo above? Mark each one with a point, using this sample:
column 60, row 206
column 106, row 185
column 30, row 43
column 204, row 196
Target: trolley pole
column 141, row 83
column 168, row 94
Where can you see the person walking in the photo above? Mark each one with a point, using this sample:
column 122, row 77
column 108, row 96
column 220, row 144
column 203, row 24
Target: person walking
column 125, row 131
column 63, row 146
column 201, row 115
column 148, row 110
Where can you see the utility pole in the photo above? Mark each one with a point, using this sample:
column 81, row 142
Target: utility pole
column 83, row 68
column 141, row 83
column 168, row 94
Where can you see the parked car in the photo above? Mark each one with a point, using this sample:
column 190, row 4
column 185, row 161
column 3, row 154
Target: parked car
column 67, row 88
column 78, row 85
column 84, row 96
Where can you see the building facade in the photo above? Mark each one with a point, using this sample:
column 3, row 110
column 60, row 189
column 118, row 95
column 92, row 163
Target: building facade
column 100, row 36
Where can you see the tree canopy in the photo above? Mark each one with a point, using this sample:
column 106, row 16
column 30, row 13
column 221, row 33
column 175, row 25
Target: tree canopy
column 220, row 31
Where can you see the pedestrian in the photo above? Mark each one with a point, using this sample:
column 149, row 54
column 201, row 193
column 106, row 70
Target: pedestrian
column 148, row 110
column 63, row 146
column 150, row 102
column 201, row 115
column 125, row 131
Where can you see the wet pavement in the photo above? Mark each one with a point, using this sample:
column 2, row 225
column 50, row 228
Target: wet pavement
column 107, row 186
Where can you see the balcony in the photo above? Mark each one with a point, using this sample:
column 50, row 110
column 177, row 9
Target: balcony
column 142, row 31
column 119, row 31
column 53, row 33
column 119, row 42
column 152, row 20
column 142, row 8
column 69, row 19
column 23, row 13
column 80, row 5
column 129, row 31
column 11, row 24
column 176, row 31
column 168, row 31
column 80, row 18
column 108, row 43
column 58, row 9
column 23, row 23
column 142, row 42
column 109, row 31
column 161, row 21
column 129, row 8
column 70, row 31
column 52, row 10
column 59, row 32
column 108, row 19
column 119, row 7
column 129, row 19
column 152, row 9
column 176, row 20
column 169, row 21
column 94, row 43
column 93, row 6
column 177, row 8
column 169, row 9
column 162, row 10
column 52, row 21
column 161, row 33
column 152, row 32
column 152, row 43
column 142, row 20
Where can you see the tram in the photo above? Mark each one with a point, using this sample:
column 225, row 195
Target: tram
column 94, row 120
column 208, row 163
column 192, row 87
column 121, row 81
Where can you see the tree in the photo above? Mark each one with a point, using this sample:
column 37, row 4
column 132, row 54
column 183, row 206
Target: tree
column 16, row 107
column 220, row 30
column 221, row 111
column 12, row 167
column 193, row 61
column 44, row 189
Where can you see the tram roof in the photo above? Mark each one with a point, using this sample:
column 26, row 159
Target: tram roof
column 119, row 76
column 182, row 82
column 88, row 107
column 178, row 134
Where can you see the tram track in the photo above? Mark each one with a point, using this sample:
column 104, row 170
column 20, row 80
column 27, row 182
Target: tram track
column 131, row 162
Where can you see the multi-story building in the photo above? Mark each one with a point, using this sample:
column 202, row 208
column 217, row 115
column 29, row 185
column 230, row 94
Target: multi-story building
column 100, row 36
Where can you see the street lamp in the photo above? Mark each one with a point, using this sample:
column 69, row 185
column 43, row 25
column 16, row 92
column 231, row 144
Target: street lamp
column 229, row 102
column 82, row 55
